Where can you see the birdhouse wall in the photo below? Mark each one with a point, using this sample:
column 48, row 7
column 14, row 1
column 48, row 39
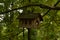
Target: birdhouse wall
column 21, row 23
column 30, row 23
column 25, row 23
column 35, row 23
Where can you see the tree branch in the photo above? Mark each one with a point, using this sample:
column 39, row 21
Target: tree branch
column 40, row 5
column 50, row 9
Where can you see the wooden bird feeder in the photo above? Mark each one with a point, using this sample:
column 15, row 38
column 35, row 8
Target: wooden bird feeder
column 29, row 20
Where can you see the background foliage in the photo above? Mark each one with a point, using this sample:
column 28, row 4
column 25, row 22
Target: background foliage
column 9, row 24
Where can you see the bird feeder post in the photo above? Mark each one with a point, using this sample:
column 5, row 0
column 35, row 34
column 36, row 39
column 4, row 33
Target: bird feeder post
column 29, row 36
column 23, row 33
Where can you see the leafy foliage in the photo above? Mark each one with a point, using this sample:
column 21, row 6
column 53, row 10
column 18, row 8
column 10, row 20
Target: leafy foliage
column 9, row 26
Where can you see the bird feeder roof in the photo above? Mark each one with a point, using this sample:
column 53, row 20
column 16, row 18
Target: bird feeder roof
column 29, row 15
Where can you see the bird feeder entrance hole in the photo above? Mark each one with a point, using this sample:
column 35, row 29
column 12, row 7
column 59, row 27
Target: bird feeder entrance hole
column 29, row 20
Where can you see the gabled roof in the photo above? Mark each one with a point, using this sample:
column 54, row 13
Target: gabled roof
column 29, row 16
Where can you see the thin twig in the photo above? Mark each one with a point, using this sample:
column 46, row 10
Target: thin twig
column 50, row 9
